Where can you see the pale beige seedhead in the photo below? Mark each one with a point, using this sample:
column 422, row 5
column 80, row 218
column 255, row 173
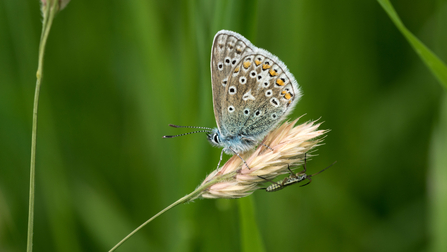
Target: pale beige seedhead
column 289, row 144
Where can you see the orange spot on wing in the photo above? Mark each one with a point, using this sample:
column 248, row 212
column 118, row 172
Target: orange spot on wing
column 278, row 81
column 247, row 64
column 272, row 73
column 265, row 66
column 236, row 70
column 257, row 62
column 288, row 96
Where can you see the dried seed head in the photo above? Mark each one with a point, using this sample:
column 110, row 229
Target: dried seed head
column 289, row 144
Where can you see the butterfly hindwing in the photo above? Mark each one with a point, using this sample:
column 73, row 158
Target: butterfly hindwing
column 260, row 92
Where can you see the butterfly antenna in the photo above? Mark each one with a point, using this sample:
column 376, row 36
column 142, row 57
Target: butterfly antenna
column 184, row 134
column 192, row 127
column 322, row 170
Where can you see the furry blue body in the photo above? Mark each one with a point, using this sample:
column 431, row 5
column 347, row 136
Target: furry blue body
column 231, row 144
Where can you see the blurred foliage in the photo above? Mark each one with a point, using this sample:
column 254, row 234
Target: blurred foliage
column 434, row 64
column 118, row 72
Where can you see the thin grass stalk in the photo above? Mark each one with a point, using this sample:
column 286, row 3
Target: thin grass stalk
column 48, row 11
column 190, row 197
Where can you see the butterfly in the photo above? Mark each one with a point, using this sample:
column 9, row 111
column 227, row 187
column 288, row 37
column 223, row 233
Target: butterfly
column 252, row 92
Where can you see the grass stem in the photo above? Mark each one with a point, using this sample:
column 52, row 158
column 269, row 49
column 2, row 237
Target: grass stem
column 48, row 12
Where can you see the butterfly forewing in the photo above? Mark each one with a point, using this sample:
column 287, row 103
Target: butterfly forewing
column 227, row 51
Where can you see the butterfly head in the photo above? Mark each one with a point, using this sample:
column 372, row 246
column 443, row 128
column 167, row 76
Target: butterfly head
column 214, row 137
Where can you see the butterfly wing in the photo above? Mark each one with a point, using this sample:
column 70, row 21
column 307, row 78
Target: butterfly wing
column 260, row 91
column 270, row 95
column 227, row 51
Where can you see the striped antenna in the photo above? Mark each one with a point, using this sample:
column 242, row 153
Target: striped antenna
column 205, row 129
column 192, row 127
column 184, row 134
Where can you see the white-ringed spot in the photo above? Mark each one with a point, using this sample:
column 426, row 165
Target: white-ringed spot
column 253, row 74
column 227, row 61
column 274, row 102
column 242, row 80
column 232, row 90
column 268, row 93
column 230, row 109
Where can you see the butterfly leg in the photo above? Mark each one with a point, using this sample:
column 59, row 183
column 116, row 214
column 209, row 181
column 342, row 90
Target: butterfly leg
column 240, row 158
column 220, row 160
column 267, row 146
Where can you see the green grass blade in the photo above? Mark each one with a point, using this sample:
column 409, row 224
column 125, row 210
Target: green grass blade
column 436, row 183
column 436, row 66
column 251, row 240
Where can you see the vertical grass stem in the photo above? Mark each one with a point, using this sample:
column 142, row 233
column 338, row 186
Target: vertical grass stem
column 48, row 11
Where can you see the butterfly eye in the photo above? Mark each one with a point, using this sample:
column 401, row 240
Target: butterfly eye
column 216, row 138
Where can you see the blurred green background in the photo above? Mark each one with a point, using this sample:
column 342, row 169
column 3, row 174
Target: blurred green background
column 117, row 73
